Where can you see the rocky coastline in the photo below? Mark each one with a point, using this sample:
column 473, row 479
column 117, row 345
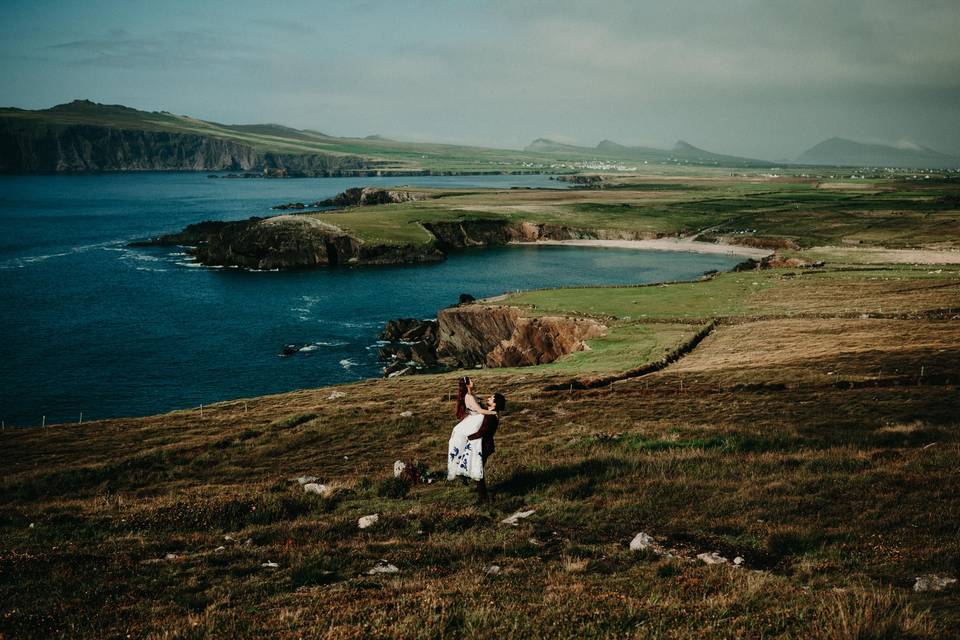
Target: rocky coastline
column 468, row 336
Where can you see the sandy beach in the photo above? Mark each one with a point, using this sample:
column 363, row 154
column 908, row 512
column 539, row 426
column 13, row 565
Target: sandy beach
column 663, row 244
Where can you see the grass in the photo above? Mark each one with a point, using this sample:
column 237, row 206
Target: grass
column 895, row 215
column 797, row 435
column 813, row 432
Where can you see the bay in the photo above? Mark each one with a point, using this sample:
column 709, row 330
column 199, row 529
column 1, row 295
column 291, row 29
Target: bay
column 89, row 324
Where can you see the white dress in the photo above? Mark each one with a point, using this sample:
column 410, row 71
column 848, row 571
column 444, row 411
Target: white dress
column 463, row 454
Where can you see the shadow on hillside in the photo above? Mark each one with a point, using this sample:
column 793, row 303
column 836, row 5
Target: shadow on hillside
column 526, row 480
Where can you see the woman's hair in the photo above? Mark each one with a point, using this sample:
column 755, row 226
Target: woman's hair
column 499, row 402
column 461, row 407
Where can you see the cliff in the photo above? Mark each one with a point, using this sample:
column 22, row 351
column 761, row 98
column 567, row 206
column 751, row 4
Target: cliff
column 471, row 335
column 38, row 147
column 285, row 242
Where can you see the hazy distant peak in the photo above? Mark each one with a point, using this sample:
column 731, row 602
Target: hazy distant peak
column 684, row 146
column 610, row 144
column 843, row 152
column 546, row 144
column 377, row 136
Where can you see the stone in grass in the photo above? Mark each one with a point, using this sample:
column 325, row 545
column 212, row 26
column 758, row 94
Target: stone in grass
column 170, row 556
column 307, row 479
column 738, row 561
column 336, row 395
column 319, row 489
column 517, row 517
column 644, row 542
column 383, row 567
column 368, row 521
column 270, row 565
column 398, row 468
column 492, row 570
column 711, row 558
column 933, row 583
column 406, row 414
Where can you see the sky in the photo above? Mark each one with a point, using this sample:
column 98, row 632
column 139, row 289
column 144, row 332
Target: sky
column 760, row 78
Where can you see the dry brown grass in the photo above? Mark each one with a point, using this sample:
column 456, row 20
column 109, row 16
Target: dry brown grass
column 838, row 491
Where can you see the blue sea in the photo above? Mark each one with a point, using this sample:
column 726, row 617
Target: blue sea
column 90, row 325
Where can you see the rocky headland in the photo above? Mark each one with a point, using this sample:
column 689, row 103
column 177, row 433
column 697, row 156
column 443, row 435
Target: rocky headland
column 467, row 336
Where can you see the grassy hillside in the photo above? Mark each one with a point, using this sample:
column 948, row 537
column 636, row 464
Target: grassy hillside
column 811, row 434
column 798, row 212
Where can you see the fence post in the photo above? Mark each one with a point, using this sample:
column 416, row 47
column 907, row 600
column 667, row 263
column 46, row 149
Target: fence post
column 81, row 417
column 44, row 424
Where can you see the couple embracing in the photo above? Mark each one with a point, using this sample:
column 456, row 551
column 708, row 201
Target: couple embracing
column 471, row 442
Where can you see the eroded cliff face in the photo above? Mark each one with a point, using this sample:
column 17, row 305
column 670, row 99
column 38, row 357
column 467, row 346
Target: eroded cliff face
column 492, row 336
column 480, row 233
column 40, row 148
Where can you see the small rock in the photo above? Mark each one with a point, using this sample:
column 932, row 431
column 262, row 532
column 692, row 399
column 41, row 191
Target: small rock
column 170, row 556
column 711, row 558
column 492, row 570
column 307, row 479
column 270, row 565
column 336, row 395
column 642, row 542
column 248, row 541
column 406, row 414
column 221, row 548
column 31, row 526
column 319, row 489
column 933, row 583
column 398, row 468
column 517, row 517
column 738, row 561
column 383, row 567
column 368, row 521
column 228, row 537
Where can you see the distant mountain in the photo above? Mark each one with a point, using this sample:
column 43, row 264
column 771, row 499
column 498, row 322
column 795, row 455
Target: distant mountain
column 545, row 145
column 848, row 153
column 681, row 153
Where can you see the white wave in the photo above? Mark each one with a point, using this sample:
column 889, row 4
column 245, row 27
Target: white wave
column 17, row 263
column 309, row 347
column 335, row 343
column 346, row 363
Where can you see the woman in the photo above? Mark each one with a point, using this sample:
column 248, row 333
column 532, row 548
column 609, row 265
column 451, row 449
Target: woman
column 464, row 457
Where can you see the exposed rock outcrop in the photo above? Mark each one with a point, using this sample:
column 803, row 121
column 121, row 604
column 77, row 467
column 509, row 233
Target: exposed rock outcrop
column 285, row 242
column 470, row 335
column 369, row 196
column 502, row 337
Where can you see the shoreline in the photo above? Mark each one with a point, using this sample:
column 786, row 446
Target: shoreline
column 661, row 244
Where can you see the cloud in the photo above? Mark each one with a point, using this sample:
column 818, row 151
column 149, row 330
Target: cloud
column 181, row 48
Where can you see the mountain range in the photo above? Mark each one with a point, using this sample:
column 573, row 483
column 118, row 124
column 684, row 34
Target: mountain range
column 84, row 136
column 842, row 152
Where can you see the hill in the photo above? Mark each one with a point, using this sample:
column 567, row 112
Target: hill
column 799, row 437
column 848, row 153
column 681, row 153
column 84, row 136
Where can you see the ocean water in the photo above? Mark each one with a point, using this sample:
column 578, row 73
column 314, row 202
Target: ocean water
column 90, row 325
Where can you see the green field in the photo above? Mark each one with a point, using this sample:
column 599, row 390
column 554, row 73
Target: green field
column 813, row 433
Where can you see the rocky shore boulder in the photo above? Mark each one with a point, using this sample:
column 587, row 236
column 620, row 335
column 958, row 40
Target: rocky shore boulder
column 369, row 196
